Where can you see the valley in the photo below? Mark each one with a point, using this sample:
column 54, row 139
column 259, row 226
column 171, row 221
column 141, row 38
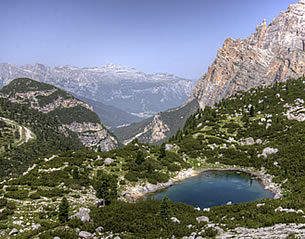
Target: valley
column 111, row 152
column 244, row 132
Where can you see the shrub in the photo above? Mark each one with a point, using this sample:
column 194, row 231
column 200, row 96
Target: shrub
column 3, row 202
column 17, row 194
column 174, row 167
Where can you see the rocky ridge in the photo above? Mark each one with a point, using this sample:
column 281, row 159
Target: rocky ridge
column 274, row 53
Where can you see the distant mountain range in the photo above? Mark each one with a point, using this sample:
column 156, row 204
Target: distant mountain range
column 126, row 88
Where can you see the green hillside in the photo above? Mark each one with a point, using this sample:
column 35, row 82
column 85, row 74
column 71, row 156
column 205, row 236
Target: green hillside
column 17, row 153
column 261, row 131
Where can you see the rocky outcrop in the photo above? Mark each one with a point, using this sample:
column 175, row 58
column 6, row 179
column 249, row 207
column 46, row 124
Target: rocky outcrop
column 156, row 131
column 83, row 215
column 93, row 135
column 274, row 53
column 276, row 231
column 33, row 97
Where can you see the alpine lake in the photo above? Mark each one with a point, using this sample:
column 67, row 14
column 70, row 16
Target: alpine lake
column 214, row 188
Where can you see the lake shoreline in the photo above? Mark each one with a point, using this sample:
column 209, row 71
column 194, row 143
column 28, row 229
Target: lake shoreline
column 134, row 193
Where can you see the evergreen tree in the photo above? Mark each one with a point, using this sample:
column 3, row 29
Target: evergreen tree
column 165, row 210
column 162, row 151
column 106, row 187
column 75, row 173
column 63, row 212
column 140, row 157
column 252, row 111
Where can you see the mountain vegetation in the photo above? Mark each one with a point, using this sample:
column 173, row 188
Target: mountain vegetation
column 72, row 114
column 260, row 130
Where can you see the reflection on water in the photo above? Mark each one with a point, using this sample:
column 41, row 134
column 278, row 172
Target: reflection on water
column 215, row 188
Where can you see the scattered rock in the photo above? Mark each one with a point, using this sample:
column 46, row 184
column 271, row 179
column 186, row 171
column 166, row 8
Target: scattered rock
column 175, row 220
column 83, row 214
column 247, row 141
column 169, row 147
column 202, row 219
column 14, row 231
column 36, row 226
column 100, row 229
column 85, row 235
column 268, row 151
column 108, row 161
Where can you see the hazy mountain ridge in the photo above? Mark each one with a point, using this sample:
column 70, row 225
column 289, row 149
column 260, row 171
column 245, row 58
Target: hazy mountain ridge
column 123, row 87
column 111, row 116
column 73, row 114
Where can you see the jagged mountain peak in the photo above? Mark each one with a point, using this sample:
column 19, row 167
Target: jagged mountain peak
column 274, row 53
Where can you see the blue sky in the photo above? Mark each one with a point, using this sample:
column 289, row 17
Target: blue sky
column 173, row 36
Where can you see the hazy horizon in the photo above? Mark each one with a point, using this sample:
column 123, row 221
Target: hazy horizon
column 176, row 37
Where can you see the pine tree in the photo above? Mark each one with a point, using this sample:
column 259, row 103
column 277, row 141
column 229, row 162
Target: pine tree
column 162, row 151
column 63, row 212
column 106, row 188
column 75, row 173
column 165, row 210
column 140, row 157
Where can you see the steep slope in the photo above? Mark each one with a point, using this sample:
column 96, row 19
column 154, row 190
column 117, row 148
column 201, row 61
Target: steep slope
column 27, row 134
column 274, row 53
column 123, row 87
column 110, row 116
column 73, row 114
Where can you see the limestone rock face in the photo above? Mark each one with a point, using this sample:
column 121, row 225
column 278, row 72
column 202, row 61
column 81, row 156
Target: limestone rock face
column 93, row 134
column 274, row 53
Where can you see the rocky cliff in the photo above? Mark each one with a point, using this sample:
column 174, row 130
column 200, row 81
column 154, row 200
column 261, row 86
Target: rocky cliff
column 274, row 53
column 74, row 114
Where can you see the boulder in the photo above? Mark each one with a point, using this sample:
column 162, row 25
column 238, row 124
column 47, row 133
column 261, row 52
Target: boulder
column 108, row 161
column 247, row 141
column 229, row 203
column 14, row 231
column 85, row 235
column 202, row 219
column 83, row 215
column 169, row 147
column 175, row 220
column 268, row 151
column 100, row 229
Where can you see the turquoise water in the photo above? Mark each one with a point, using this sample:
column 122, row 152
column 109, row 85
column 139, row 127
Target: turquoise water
column 215, row 188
